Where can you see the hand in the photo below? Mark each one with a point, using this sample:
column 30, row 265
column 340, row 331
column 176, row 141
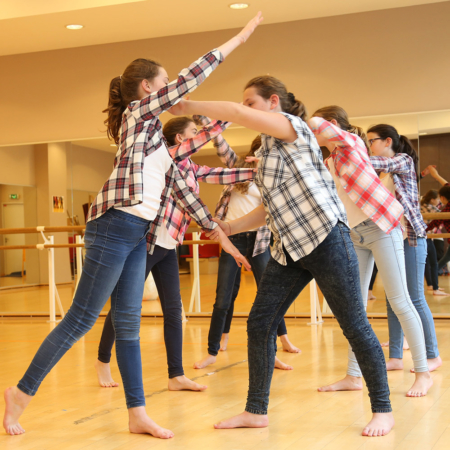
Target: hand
column 224, row 226
column 179, row 108
column 250, row 27
column 201, row 121
column 232, row 250
column 250, row 159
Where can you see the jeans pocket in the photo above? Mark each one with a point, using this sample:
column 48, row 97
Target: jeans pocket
column 90, row 234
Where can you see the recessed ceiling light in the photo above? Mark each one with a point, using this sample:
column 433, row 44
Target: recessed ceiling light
column 112, row 145
column 422, row 134
column 239, row 5
column 74, row 27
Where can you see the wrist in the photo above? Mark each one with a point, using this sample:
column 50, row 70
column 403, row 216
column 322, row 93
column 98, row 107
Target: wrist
column 241, row 39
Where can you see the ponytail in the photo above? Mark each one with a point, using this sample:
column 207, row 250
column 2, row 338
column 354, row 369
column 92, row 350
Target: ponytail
column 123, row 90
column 400, row 143
column 241, row 163
column 341, row 117
column 266, row 86
column 114, row 110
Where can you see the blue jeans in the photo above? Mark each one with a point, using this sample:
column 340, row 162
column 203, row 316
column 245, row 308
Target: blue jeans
column 228, row 283
column 371, row 243
column 334, row 265
column 163, row 265
column 114, row 266
column 415, row 265
column 431, row 266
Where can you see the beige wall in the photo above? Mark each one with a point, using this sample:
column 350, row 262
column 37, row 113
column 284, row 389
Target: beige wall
column 17, row 165
column 88, row 169
column 379, row 62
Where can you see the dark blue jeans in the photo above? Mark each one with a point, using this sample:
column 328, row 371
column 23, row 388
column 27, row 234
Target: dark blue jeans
column 228, row 283
column 431, row 266
column 334, row 265
column 164, row 267
column 116, row 250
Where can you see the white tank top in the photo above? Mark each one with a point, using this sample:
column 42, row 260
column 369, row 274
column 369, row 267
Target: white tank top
column 354, row 215
column 154, row 178
column 242, row 204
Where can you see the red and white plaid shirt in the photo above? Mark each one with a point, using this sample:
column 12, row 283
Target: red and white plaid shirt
column 357, row 176
column 141, row 135
column 229, row 158
column 176, row 220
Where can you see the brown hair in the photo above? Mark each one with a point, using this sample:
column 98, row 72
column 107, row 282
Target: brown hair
column 240, row 163
column 123, row 90
column 266, row 86
column 341, row 117
column 430, row 195
column 175, row 126
column 400, row 144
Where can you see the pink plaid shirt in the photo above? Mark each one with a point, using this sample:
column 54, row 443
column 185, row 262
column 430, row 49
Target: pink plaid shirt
column 358, row 177
column 176, row 220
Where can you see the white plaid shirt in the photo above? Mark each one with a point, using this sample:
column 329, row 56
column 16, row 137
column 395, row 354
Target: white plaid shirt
column 141, row 135
column 298, row 192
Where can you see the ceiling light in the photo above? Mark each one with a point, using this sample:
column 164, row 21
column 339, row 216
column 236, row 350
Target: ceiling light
column 74, row 27
column 239, row 5
column 112, row 145
column 423, row 134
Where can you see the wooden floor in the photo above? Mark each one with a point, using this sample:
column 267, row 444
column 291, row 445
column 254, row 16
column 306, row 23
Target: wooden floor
column 71, row 412
column 35, row 299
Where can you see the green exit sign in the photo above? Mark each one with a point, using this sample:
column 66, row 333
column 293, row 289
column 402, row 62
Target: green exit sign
column 13, row 196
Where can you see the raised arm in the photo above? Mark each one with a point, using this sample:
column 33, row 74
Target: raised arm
column 331, row 132
column 193, row 145
column 220, row 175
column 399, row 163
column 188, row 79
column 276, row 125
column 223, row 150
column 434, row 173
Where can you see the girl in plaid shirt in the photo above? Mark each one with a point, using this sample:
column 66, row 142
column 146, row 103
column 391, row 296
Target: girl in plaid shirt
column 179, row 132
column 395, row 159
column 122, row 218
column 253, row 244
column 311, row 240
column 374, row 217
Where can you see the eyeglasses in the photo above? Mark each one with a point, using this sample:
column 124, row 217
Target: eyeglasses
column 374, row 139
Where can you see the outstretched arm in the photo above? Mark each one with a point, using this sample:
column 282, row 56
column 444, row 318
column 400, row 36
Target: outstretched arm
column 188, row 79
column 220, row 175
column 275, row 125
column 434, row 173
column 331, row 132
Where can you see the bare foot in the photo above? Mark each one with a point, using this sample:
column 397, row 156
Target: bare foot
column 394, row 364
column 429, row 288
column 348, row 383
column 224, row 342
column 281, row 365
column 16, row 402
column 104, row 374
column 205, row 362
column 421, row 385
column 384, row 344
column 370, row 296
column 380, row 425
column 140, row 423
column 183, row 383
column 287, row 345
column 244, row 420
column 440, row 293
column 433, row 364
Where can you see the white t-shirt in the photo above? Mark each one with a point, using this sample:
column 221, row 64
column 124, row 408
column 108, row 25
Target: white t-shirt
column 242, row 204
column 155, row 167
column 164, row 239
column 354, row 215
column 389, row 184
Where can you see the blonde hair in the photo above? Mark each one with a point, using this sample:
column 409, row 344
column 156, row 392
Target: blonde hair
column 341, row 117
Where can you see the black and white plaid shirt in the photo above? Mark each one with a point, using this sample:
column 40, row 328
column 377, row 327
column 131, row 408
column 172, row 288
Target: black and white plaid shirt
column 298, row 192
column 141, row 135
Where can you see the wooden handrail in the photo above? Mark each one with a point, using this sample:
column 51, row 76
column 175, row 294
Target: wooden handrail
column 436, row 216
column 38, row 246
column 31, row 230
